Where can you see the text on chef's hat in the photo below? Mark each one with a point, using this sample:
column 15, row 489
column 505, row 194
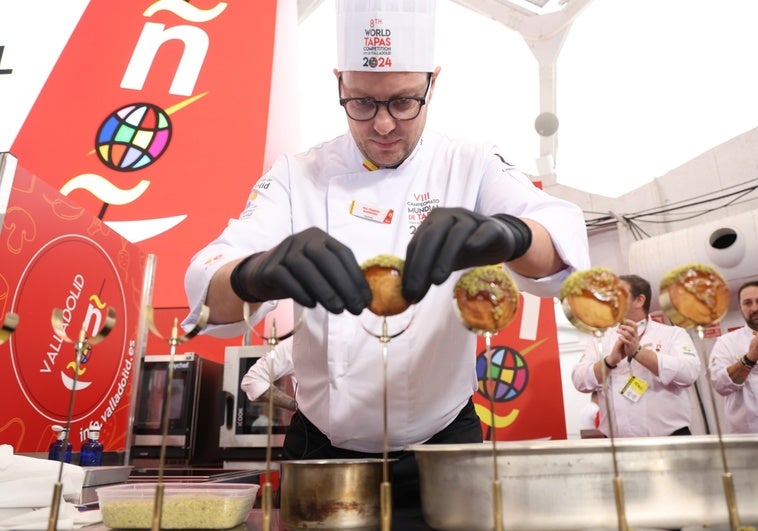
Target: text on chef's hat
column 385, row 35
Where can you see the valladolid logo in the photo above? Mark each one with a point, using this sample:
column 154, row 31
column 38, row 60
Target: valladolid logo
column 82, row 289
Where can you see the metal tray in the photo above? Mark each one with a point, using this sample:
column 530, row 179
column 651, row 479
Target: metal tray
column 105, row 475
column 668, row 482
column 97, row 476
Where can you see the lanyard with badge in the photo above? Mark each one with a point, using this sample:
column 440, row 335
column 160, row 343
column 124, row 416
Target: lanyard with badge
column 635, row 386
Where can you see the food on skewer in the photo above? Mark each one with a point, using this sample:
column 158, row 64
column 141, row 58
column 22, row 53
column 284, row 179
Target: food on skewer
column 384, row 274
column 487, row 298
column 694, row 294
column 594, row 299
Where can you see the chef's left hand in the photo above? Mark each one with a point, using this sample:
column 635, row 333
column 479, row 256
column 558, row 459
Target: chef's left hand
column 450, row 239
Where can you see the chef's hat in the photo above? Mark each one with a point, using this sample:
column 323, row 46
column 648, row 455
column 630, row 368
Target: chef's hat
column 385, row 35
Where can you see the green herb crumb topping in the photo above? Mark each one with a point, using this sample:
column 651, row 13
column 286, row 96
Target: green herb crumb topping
column 384, row 260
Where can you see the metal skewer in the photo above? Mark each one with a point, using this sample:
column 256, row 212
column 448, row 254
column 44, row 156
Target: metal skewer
column 385, row 493
column 385, row 499
column 601, row 285
column 272, row 340
column 618, row 486
column 710, row 287
column 81, row 346
column 173, row 340
column 497, row 498
column 266, row 493
column 726, row 478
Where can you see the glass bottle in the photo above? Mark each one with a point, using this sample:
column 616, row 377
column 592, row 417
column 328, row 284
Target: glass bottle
column 92, row 448
column 57, row 446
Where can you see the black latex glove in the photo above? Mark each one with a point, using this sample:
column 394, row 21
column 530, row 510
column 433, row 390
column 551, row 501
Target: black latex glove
column 450, row 239
column 310, row 267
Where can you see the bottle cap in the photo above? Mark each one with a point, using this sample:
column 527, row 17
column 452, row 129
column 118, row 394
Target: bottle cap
column 60, row 430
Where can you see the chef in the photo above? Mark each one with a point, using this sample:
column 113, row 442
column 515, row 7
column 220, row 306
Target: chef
column 732, row 365
column 388, row 186
column 650, row 367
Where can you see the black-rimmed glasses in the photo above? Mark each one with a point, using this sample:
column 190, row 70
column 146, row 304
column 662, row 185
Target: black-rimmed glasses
column 365, row 109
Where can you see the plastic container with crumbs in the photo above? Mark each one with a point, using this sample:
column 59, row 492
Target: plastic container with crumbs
column 185, row 506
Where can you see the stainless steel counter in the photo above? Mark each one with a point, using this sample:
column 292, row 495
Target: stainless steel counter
column 403, row 520
column 668, row 482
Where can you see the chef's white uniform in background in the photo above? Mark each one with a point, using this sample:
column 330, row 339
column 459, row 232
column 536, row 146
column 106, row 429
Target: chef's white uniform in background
column 338, row 365
column 270, row 367
column 740, row 400
column 665, row 406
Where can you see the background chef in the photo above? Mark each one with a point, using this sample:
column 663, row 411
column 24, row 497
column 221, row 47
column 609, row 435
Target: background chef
column 387, row 186
column 732, row 366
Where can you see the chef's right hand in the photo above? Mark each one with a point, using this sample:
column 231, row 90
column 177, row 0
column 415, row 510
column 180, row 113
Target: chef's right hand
column 310, row 267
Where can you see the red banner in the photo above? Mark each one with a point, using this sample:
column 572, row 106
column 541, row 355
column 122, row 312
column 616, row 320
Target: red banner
column 525, row 376
column 154, row 119
column 56, row 255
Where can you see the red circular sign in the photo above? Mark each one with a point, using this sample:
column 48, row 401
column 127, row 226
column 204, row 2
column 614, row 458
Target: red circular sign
column 75, row 275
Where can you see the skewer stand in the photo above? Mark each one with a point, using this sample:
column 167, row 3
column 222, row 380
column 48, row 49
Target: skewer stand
column 272, row 340
column 385, row 498
column 688, row 276
column 618, row 486
column 726, row 478
column 490, row 386
column 173, row 340
column 82, row 347
column 497, row 498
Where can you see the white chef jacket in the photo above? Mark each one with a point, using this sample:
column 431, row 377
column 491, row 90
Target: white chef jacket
column 338, row 365
column 277, row 363
column 740, row 400
column 665, row 406
column 588, row 416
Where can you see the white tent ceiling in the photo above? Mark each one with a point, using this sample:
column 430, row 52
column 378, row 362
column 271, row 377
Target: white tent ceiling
column 641, row 89
column 544, row 25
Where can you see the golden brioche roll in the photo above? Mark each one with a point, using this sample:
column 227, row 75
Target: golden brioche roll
column 694, row 294
column 487, row 298
column 594, row 299
column 384, row 274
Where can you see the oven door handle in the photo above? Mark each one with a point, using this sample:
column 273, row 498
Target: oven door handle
column 226, row 407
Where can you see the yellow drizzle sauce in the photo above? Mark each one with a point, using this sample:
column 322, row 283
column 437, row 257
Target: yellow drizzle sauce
column 700, row 280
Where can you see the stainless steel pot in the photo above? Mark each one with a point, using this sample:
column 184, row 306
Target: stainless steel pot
column 331, row 494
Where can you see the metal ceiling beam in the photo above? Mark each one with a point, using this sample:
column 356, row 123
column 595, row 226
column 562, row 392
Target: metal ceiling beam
column 544, row 34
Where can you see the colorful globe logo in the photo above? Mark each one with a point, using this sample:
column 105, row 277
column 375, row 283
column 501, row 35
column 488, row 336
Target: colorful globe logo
column 133, row 137
column 508, row 377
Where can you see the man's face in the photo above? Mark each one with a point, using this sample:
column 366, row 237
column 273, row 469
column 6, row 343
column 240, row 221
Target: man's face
column 749, row 306
column 634, row 311
column 384, row 140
